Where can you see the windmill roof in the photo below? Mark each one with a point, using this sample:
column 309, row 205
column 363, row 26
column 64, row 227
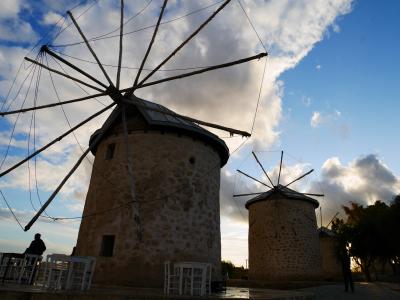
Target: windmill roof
column 325, row 232
column 285, row 192
column 158, row 117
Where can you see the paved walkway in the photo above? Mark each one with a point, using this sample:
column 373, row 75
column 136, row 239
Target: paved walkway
column 362, row 291
column 14, row 292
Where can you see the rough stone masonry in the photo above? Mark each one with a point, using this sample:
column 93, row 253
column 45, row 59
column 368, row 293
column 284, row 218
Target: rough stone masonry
column 177, row 180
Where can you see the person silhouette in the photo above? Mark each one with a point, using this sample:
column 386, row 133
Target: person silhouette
column 37, row 246
column 346, row 269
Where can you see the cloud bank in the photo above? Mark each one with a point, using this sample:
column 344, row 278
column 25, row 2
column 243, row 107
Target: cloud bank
column 289, row 29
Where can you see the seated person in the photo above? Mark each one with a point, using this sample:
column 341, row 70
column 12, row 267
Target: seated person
column 37, row 246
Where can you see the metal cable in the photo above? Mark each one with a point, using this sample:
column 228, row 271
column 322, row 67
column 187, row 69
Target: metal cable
column 77, row 84
column 19, row 89
column 34, row 139
column 251, row 23
column 15, row 122
column 259, row 96
column 65, row 114
column 154, row 199
column 9, row 208
column 130, row 68
column 29, row 141
column 12, row 85
column 52, row 28
column 137, row 30
column 84, row 12
column 127, row 21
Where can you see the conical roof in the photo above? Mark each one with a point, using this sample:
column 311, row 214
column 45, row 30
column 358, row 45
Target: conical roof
column 154, row 116
column 283, row 191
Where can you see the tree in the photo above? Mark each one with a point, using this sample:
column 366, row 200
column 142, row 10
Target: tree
column 370, row 232
column 227, row 268
column 394, row 225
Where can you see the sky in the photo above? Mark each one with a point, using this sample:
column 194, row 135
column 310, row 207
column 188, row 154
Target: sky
column 328, row 99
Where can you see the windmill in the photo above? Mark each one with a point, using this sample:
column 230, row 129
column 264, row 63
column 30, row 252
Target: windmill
column 122, row 100
column 283, row 239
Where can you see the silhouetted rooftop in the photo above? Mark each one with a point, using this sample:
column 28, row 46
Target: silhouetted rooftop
column 158, row 117
column 285, row 192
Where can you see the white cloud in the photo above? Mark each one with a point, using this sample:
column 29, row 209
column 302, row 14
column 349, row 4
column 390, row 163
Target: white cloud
column 318, row 67
column 9, row 8
column 364, row 180
column 290, row 32
column 51, row 18
column 17, row 31
column 289, row 29
column 11, row 27
column 320, row 118
column 316, row 119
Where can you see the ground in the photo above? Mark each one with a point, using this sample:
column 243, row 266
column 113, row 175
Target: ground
column 363, row 291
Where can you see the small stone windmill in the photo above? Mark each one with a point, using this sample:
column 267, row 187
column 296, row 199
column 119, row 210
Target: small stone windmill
column 154, row 190
column 283, row 237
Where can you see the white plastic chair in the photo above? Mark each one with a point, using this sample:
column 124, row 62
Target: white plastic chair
column 10, row 267
column 56, row 271
column 194, row 278
column 28, row 268
column 81, row 270
column 69, row 272
column 171, row 279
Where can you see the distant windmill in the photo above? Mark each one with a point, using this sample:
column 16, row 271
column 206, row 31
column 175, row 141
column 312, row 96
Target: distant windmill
column 283, row 239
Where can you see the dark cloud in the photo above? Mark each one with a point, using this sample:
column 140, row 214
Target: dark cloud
column 364, row 181
column 372, row 168
column 231, row 207
column 23, row 216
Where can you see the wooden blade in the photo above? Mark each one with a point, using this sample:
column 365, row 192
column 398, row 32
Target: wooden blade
column 65, row 179
column 62, row 74
column 54, row 194
column 121, row 37
column 265, row 172
column 280, row 168
column 315, row 195
column 90, row 48
column 149, row 48
column 332, row 219
column 185, row 41
column 135, row 204
column 236, row 62
column 207, row 124
column 251, row 177
column 249, row 194
column 51, row 105
column 56, row 140
column 71, row 65
column 302, row 176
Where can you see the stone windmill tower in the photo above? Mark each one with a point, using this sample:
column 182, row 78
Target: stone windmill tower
column 176, row 168
column 154, row 191
column 283, row 237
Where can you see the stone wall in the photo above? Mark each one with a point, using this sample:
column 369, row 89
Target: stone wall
column 177, row 185
column 331, row 267
column 283, row 240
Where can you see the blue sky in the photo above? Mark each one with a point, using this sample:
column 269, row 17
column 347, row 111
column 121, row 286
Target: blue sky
column 358, row 76
column 329, row 100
